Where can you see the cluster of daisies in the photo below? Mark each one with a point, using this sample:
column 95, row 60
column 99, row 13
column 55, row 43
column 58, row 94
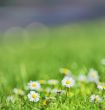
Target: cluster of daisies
column 54, row 87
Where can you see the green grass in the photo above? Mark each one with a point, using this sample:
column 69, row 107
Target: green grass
column 77, row 47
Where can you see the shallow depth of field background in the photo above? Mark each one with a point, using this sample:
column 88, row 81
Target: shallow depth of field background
column 38, row 38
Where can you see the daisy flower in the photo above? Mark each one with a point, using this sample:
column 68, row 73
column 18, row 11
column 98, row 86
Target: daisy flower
column 34, row 85
column 48, row 90
column 95, row 98
column 33, row 96
column 52, row 82
column 58, row 91
column 10, row 99
column 93, row 76
column 65, row 71
column 101, row 86
column 54, row 90
column 82, row 78
column 18, row 91
column 68, row 82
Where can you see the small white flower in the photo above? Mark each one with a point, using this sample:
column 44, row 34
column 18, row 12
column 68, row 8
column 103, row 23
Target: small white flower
column 54, row 90
column 82, row 78
column 65, row 71
column 93, row 76
column 95, row 98
column 103, row 61
column 10, row 99
column 101, row 86
column 33, row 96
column 58, row 91
column 18, row 91
column 48, row 90
column 68, row 82
column 53, row 82
column 34, row 85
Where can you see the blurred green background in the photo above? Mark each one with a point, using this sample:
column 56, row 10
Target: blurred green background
column 75, row 47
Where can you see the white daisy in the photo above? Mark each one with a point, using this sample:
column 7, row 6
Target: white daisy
column 53, row 82
column 33, row 96
column 101, row 86
column 34, row 85
column 18, row 91
column 58, row 91
column 95, row 98
column 65, row 71
column 82, row 78
column 48, row 90
column 54, row 90
column 68, row 82
column 10, row 99
column 93, row 76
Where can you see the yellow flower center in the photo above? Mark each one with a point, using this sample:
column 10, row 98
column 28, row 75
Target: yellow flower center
column 20, row 91
column 65, row 71
column 34, row 96
column 34, row 85
column 41, row 81
column 94, row 75
column 104, row 87
column 53, row 82
column 68, row 82
column 97, row 99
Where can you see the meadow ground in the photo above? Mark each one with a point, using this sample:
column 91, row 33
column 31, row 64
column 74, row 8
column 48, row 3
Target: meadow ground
column 77, row 47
